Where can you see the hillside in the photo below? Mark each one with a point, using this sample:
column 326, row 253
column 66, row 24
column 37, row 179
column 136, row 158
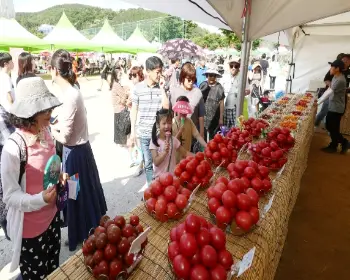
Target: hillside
column 83, row 16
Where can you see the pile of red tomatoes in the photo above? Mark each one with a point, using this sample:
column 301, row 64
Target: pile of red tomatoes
column 194, row 171
column 198, row 250
column 165, row 198
column 255, row 126
column 233, row 201
column 106, row 250
column 221, row 151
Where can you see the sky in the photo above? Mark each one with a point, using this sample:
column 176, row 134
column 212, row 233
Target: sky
column 39, row 5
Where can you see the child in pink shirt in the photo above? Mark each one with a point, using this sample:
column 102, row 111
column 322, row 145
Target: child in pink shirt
column 163, row 145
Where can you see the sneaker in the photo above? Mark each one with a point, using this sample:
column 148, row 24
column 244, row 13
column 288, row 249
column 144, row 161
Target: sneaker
column 329, row 150
column 138, row 172
column 345, row 148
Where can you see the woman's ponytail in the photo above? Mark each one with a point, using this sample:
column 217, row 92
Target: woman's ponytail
column 154, row 133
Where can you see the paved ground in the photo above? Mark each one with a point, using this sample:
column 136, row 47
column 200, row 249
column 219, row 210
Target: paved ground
column 121, row 189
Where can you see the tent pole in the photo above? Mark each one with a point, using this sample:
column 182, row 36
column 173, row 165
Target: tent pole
column 244, row 60
column 291, row 64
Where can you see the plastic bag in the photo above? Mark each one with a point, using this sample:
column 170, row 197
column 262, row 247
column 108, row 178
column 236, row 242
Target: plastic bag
column 136, row 155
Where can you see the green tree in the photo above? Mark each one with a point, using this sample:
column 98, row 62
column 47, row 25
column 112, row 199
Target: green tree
column 235, row 42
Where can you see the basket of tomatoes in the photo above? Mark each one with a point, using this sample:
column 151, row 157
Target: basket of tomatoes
column 109, row 250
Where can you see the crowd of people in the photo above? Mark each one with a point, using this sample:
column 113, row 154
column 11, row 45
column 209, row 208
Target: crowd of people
column 164, row 113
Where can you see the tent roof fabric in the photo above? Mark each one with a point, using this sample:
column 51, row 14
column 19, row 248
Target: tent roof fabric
column 108, row 41
column 65, row 35
column 138, row 41
column 267, row 17
column 13, row 34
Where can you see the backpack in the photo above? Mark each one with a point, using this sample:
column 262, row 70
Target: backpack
column 23, row 153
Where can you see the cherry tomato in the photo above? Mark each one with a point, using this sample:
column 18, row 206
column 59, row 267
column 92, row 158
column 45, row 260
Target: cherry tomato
column 110, row 252
column 201, row 171
column 244, row 202
column 218, row 238
column 166, row 179
column 128, row 231
column 225, row 259
column 203, row 237
column 173, row 250
column 147, row 194
column 192, row 223
column 181, row 201
column 188, row 245
column 208, row 256
column 115, row 267
column 244, row 220
column 229, row 199
column 223, row 215
column 181, row 267
column 151, row 204
column 218, row 273
column 172, row 210
column 213, row 205
column 170, row 193
column 199, row 156
column 199, row 272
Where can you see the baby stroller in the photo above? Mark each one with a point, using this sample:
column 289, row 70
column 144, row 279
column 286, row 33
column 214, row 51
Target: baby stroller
column 264, row 101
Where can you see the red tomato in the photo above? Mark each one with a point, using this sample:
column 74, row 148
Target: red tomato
column 246, row 183
column 213, row 146
column 151, row 204
column 185, row 177
column 99, row 230
column 196, row 259
column 181, row 201
column 173, row 250
column 157, row 188
column 249, row 172
column 243, row 202
column 216, row 157
column 244, row 220
column 223, row 215
column 180, row 231
column 206, row 164
column 213, row 205
column 203, row 237
column 199, row 272
column 134, row 220
column 171, row 210
column 201, row 171
column 139, row 229
column 101, row 241
column 128, row 231
column 160, row 207
column 166, row 179
column 219, row 189
column 183, row 164
column 253, row 195
column 170, row 193
column 186, row 192
column 104, row 219
column 257, row 184
column 239, row 166
column 254, row 212
column 195, row 181
column 110, row 252
column 115, row 267
column 218, row 273
column 218, row 238
column 178, row 171
column 218, row 138
column 281, row 138
column 190, row 186
column 225, row 259
column 188, row 245
column 223, row 180
column 230, row 167
column 191, row 167
column 266, row 152
column 224, row 152
column 208, row 256
column 208, row 153
column 173, row 234
column 98, row 256
column 114, row 234
column 210, row 192
column 103, row 267
column 199, row 156
column 147, row 194
column 181, row 267
column 267, row 185
column 229, row 199
column 253, row 164
column 129, row 259
column 192, row 223
column 236, row 186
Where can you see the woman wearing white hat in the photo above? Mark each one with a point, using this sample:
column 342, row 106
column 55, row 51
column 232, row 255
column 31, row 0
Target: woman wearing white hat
column 33, row 222
column 213, row 95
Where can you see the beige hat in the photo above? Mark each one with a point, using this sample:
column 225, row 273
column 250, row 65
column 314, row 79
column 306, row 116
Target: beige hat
column 212, row 69
column 32, row 97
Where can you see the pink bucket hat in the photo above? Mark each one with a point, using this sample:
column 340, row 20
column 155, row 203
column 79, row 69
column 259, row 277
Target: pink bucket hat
column 182, row 107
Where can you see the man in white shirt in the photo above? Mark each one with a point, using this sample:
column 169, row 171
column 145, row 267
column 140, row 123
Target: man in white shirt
column 7, row 94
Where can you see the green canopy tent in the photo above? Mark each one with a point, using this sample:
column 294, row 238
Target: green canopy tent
column 65, row 36
column 12, row 34
column 106, row 40
column 139, row 43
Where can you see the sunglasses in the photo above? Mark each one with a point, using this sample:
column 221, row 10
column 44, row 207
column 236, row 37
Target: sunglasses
column 132, row 75
column 236, row 66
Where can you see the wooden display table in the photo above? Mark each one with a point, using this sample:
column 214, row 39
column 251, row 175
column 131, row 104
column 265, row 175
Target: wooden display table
column 268, row 237
column 345, row 121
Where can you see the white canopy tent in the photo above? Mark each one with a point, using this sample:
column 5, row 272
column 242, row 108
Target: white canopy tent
column 316, row 44
column 252, row 19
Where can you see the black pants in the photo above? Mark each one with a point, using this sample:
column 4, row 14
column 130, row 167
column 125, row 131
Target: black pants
column 272, row 82
column 40, row 255
column 333, row 126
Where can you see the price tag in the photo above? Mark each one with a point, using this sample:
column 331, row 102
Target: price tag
column 193, row 194
column 246, row 262
column 136, row 244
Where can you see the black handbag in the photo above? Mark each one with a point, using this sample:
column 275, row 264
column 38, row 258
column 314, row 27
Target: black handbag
column 126, row 124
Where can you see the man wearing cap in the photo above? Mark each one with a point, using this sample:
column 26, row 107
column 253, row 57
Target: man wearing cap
column 337, row 102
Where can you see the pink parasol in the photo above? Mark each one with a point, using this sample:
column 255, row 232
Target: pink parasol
column 182, row 107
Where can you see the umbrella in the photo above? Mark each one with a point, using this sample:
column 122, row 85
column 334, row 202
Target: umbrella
column 179, row 48
column 182, row 107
